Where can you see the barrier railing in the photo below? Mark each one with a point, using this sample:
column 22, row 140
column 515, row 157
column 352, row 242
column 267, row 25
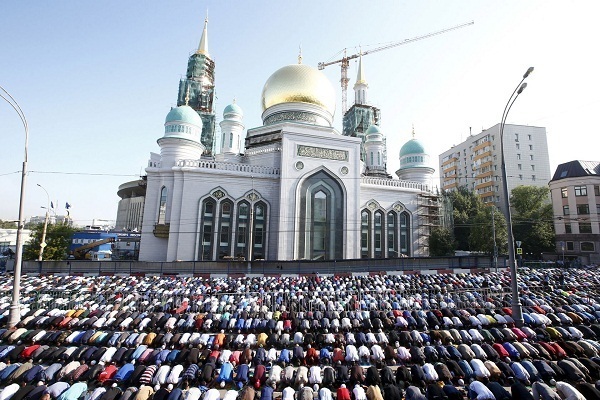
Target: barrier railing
column 267, row 267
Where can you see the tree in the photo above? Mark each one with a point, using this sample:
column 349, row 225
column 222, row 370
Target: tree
column 481, row 237
column 441, row 242
column 58, row 239
column 8, row 224
column 465, row 207
column 532, row 219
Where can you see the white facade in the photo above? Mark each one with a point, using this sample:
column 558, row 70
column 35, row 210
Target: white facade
column 476, row 162
column 296, row 189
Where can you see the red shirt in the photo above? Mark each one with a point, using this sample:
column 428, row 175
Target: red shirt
column 343, row 394
column 108, row 373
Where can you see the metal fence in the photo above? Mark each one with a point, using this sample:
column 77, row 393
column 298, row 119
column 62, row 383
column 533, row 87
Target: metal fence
column 259, row 266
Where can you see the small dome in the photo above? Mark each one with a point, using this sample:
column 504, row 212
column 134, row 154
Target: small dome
column 233, row 109
column 184, row 114
column 298, row 83
column 413, row 146
column 372, row 129
column 373, row 134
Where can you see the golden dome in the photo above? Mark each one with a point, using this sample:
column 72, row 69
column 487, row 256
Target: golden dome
column 298, row 83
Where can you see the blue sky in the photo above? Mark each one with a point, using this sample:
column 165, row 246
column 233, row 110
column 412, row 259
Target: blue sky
column 96, row 79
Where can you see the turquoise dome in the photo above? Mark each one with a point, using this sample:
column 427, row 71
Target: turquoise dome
column 413, row 146
column 184, row 114
column 372, row 129
column 233, row 109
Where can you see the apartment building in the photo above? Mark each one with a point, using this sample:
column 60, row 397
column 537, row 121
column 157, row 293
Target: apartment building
column 476, row 162
column 575, row 190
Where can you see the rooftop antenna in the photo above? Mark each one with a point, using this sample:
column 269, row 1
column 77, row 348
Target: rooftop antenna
column 300, row 54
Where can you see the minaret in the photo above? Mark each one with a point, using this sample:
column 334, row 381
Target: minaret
column 414, row 162
column 361, row 115
column 374, row 148
column 231, row 129
column 361, row 86
column 199, row 82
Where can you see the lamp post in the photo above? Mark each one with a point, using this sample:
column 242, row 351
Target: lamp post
column 517, row 311
column 15, row 308
column 43, row 241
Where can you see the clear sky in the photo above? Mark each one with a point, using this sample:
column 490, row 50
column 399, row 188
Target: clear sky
column 96, row 79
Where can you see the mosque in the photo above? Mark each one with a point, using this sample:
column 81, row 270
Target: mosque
column 296, row 189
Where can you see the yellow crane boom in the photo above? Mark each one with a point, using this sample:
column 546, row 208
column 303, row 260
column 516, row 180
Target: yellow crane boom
column 345, row 61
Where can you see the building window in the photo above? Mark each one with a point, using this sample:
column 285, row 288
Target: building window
column 580, row 191
column 518, row 156
column 516, row 137
column 532, row 167
column 597, row 190
column 259, row 236
column 597, row 208
column 321, row 233
column 518, row 147
column 405, row 233
column 564, row 192
column 587, row 246
column 365, row 230
column 583, row 209
column 520, row 177
column 392, row 235
column 585, row 227
column 568, row 228
column 529, row 137
column 531, row 157
column 565, row 210
column 206, row 226
column 224, row 249
column 378, row 234
column 162, row 206
column 519, row 167
column 533, row 177
column 570, row 246
column 242, row 230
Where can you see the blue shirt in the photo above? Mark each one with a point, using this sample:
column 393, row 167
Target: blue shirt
column 226, row 373
column 74, row 392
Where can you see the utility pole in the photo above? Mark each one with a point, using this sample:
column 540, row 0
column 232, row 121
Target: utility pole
column 494, row 236
column 43, row 241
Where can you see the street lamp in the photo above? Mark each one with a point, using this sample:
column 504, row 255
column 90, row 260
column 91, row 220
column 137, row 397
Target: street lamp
column 43, row 241
column 15, row 308
column 517, row 311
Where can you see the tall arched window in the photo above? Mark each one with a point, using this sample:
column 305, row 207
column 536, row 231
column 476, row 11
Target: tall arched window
column 231, row 139
column 321, row 213
column 162, row 206
column 207, row 229
column 259, row 236
column 405, row 233
column 226, row 211
column 392, row 234
column 378, row 234
column 242, row 229
column 365, row 234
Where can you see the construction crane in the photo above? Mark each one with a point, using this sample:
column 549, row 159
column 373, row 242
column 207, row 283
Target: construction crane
column 345, row 61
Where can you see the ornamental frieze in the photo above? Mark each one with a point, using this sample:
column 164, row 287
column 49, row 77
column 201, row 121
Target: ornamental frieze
column 290, row 116
column 320, row 152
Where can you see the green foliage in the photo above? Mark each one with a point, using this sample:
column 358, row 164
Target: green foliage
column 8, row 225
column 481, row 237
column 532, row 219
column 441, row 242
column 58, row 239
column 465, row 207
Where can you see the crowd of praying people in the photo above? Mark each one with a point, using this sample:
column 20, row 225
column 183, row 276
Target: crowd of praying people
column 382, row 337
